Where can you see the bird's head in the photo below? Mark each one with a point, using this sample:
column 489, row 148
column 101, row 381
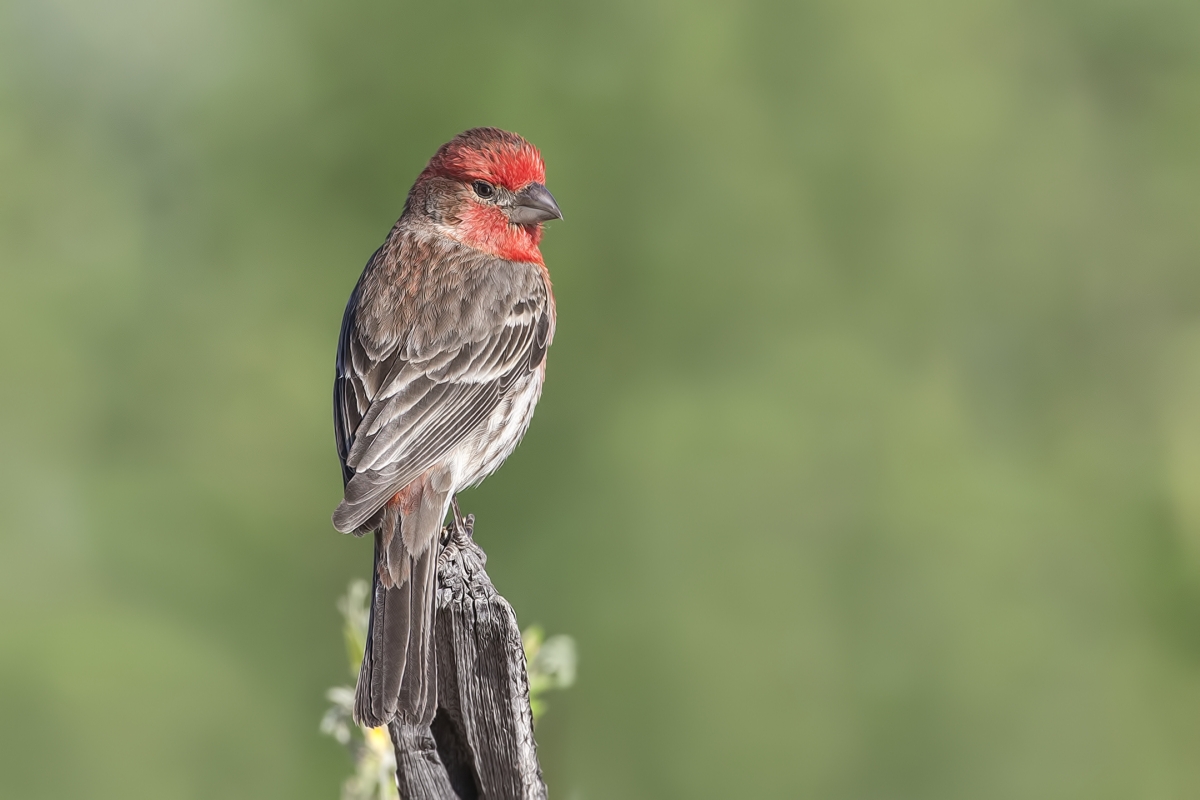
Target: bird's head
column 486, row 188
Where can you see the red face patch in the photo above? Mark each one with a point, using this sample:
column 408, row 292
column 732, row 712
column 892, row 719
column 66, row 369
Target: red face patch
column 489, row 230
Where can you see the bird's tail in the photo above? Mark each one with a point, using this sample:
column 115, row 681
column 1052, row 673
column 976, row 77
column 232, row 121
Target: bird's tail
column 399, row 674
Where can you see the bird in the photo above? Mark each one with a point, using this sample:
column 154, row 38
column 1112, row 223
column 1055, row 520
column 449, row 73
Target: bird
column 440, row 361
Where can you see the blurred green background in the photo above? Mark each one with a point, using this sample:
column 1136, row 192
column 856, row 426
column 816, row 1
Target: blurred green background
column 869, row 461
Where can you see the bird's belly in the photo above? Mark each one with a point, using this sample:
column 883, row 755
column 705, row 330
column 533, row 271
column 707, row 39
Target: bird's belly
column 482, row 453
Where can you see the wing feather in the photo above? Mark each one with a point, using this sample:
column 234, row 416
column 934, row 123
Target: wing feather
column 398, row 410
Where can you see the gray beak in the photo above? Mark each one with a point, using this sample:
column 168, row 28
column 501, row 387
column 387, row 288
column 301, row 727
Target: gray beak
column 533, row 204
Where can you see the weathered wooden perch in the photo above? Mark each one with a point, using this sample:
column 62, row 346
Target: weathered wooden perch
column 480, row 744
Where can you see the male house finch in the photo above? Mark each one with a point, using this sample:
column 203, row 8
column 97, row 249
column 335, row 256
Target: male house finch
column 440, row 362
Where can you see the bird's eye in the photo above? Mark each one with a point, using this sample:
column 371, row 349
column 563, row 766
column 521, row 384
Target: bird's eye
column 483, row 189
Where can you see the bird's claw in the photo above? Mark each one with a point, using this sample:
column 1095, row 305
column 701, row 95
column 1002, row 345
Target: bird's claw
column 463, row 526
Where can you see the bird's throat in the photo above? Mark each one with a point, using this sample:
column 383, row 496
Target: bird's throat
column 489, row 230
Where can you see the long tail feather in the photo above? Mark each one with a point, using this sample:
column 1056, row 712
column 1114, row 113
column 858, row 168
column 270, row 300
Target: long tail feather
column 399, row 673
column 418, row 686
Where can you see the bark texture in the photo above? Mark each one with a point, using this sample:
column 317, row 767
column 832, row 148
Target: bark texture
column 480, row 744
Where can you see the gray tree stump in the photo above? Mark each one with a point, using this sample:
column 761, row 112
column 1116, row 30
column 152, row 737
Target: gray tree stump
column 480, row 744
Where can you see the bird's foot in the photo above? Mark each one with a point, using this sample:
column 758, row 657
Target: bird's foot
column 463, row 526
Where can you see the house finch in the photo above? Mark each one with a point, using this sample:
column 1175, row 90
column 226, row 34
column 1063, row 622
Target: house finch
column 440, row 362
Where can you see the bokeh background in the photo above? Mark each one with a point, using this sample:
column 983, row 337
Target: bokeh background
column 869, row 461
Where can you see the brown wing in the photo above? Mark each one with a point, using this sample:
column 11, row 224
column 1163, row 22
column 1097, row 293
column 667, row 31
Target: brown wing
column 399, row 411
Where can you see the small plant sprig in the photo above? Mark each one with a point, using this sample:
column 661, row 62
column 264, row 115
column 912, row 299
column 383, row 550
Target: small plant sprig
column 551, row 664
column 374, row 775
